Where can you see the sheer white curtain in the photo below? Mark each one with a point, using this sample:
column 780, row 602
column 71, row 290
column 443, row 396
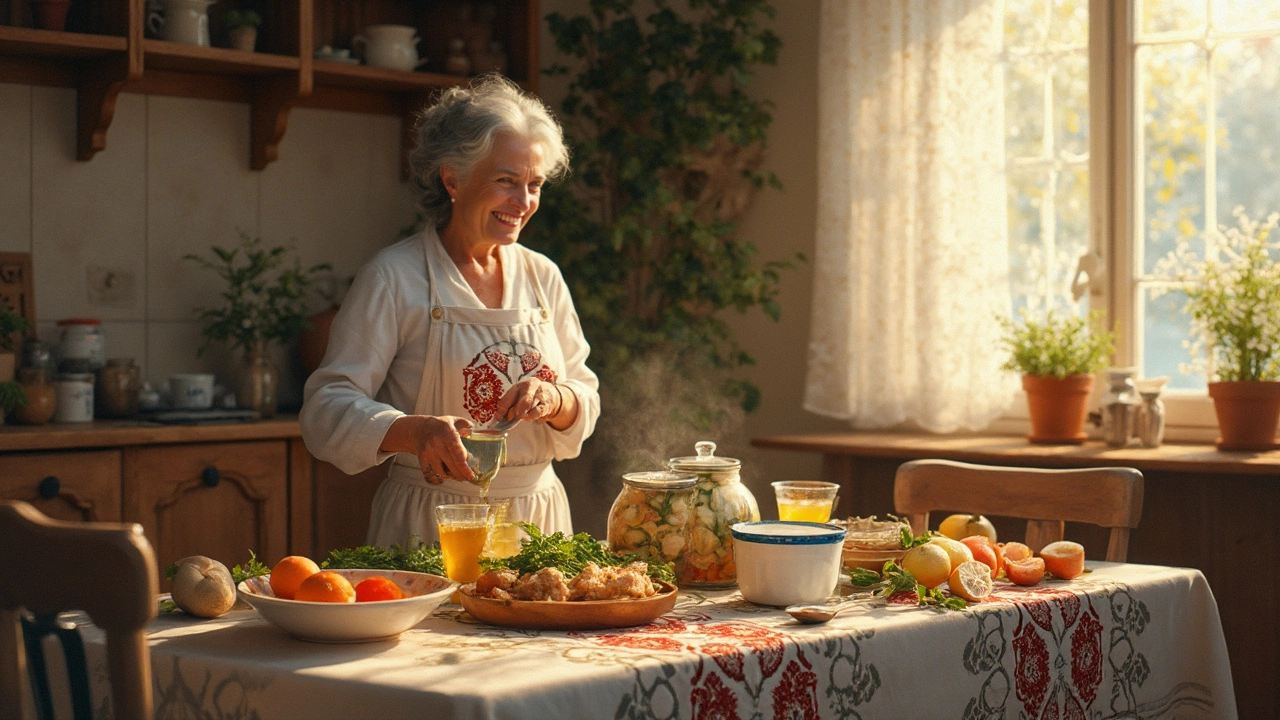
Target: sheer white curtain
column 911, row 262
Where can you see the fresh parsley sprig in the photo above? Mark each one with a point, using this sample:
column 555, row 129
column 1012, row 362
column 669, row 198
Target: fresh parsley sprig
column 569, row 555
column 251, row 569
column 892, row 579
column 420, row 557
column 909, row 541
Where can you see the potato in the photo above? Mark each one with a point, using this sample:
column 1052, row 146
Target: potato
column 203, row 587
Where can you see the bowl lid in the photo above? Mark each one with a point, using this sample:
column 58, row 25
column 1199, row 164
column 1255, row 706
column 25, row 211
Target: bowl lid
column 705, row 459
column 660, row 480
column 788, row 532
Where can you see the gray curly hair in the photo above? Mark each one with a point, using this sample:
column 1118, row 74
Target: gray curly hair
column 458, row 131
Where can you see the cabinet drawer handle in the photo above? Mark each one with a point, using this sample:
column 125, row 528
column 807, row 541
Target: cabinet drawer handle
column 50, row 487
column 211, row 476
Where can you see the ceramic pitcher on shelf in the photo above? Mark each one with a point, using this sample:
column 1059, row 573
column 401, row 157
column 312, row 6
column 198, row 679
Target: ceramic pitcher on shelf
column 184, row 21
column 389, row 46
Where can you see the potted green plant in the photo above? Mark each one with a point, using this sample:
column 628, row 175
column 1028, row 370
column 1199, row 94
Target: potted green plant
column 1057, row 356
column 242, row 28
column 12, row 325
column 1233, row 298
column 12, row 397
column 264, row 302
column 667, row 150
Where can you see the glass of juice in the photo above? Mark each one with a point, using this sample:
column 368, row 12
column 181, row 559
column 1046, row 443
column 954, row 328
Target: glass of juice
column 486, row 453
column 504, row 535
column 464, row 529
column 805, row 500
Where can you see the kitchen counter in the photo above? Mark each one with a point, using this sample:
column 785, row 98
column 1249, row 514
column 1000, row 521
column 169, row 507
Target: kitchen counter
column 119, row 433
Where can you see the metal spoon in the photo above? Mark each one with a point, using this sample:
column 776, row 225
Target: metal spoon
column 812, row 614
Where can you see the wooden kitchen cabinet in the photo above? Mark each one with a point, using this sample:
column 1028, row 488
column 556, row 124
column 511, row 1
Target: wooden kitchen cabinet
column 73, row 486
column 105, row 51
column 216, row 499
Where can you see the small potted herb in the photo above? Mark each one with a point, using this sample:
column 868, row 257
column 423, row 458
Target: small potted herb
column 1057, row 356
column 12, row 325
column 242, row 29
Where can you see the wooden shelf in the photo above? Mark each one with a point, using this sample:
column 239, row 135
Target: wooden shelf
column 280, row 76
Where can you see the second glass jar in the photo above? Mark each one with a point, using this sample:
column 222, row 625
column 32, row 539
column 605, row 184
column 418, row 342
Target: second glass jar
column 721, row 501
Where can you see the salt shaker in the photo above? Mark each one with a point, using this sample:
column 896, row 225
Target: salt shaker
column 1119, row 408
column 1150, row 419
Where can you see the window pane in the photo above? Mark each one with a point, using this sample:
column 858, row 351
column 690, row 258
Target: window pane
column 1172, row 82
column 1165, row 327
column 1025, row 22
column 1024, row 80
column 1246, row 74
column 1071, row 117
column 1171, row 15
column 1245, row 14
column 1069, row 24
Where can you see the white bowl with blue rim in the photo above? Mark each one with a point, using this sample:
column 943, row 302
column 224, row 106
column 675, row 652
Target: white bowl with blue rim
column 784, row 562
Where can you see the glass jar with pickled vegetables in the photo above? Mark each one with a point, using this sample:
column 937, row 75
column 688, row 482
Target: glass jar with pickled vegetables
column 652, row 516
column 721, row 501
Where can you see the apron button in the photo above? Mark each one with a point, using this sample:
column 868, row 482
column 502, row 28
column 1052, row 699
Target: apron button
column 544, row 313
column 437, row 313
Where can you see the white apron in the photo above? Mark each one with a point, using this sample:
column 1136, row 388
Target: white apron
column 473, row 356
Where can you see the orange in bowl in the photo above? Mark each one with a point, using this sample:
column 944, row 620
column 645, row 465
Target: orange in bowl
column 378, row 588
column 289, row 573
column 326, row 586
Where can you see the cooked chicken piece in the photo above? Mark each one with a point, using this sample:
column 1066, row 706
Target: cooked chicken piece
column 545, row 584
column 589, row 584
column 631, row 582
column 500, row 579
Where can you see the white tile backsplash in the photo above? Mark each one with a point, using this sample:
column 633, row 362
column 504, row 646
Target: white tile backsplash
column 175, row 179
column 15, row 159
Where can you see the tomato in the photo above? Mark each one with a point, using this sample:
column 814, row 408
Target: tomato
column 378, row 588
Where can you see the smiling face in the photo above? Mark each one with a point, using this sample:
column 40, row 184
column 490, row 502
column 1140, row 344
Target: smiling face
column 495, row 202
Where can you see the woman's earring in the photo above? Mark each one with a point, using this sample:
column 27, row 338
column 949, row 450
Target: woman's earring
column 453, row 199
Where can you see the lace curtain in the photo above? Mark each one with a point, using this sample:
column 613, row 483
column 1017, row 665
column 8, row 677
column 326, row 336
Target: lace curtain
column 911, row 260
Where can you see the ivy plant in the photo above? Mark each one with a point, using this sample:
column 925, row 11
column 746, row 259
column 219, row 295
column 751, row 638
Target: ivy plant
column 667, row 145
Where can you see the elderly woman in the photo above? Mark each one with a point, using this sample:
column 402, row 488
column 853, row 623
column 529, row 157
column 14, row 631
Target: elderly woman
column 459, row 326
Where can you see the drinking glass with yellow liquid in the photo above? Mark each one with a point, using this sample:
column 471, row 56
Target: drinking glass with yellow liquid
column 464, row 529
column 486, row 453
column 805, row 500
column 504, row 535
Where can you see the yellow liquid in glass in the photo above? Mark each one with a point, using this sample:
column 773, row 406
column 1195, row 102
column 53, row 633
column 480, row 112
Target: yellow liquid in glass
column 805, row 510
column 504, row 541
column 461, row 546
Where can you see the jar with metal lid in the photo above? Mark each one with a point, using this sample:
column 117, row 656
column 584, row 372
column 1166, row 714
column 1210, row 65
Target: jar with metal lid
column 83, row 347
column 116, row 393
column 652, row 516
column 75, row 398
column 721, row 501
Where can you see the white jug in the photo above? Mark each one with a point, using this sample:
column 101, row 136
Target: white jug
column 389, row 46
column 184, row 21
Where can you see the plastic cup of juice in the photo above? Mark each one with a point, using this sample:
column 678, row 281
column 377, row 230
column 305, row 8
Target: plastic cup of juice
column 463, row 529
column 805, row 500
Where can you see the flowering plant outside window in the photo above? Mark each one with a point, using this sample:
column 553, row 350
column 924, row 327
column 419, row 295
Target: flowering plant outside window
column 1233, row 298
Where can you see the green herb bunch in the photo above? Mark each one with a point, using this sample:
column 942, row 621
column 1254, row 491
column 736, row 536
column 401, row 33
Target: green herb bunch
column 569, row 555
column 11, row 323
column 419, row 557
column 667, row 145
column 265, row 294
column 1233, row 298
column 1057, row 345
column 892, row 579
column 234, row 19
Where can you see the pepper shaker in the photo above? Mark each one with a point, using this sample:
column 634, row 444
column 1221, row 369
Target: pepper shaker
column 1151, row 418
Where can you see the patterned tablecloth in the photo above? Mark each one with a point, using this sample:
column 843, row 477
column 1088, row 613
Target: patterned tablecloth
column 1130, row 641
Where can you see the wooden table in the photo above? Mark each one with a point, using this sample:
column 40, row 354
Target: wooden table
column 1215, row 511
column 1123, row 640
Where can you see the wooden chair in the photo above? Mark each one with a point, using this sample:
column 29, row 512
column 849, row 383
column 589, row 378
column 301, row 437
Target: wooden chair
column 105, row 569
column 1109, row 497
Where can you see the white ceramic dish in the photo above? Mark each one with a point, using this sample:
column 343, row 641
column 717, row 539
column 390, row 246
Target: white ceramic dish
column 784, row 563
column 351, row 622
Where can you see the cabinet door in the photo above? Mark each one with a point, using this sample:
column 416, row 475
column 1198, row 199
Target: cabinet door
column 341, row 505
column 217, row 499
column 75, row 486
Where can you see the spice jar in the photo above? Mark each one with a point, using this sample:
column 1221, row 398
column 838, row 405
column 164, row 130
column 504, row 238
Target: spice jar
column 652, row 515
column 720, row 500
column 75, row 398
column 83, row 346
column 116, row 392
column 42, row 398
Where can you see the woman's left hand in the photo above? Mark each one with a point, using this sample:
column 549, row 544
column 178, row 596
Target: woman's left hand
column 530, row 399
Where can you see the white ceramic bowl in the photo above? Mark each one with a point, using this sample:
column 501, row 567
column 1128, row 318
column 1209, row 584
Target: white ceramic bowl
column 351, row 622
column 784, row 563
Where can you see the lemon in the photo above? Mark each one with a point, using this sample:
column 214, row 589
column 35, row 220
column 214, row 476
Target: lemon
column 956, row 550
column 971, row 581
column 929, row 563
column 959, row 527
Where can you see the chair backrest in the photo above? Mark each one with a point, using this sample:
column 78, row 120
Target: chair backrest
column 1108, row 497
column 108, row 570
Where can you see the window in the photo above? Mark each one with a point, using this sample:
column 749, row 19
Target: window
column 1130, row 126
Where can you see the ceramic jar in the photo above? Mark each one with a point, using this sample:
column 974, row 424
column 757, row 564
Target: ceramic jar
column 721, row 501
column 259, row 382
column 116, row 392
column 42, row 399
column 652, row 516
column 83, row 347
column 184, row 21
column 75, row 398
column 389, row 46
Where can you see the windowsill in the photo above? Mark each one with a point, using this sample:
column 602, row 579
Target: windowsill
column 1004, row 449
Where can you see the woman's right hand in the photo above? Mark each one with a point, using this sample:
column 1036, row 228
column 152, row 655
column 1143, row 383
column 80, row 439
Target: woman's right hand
column 436, row 442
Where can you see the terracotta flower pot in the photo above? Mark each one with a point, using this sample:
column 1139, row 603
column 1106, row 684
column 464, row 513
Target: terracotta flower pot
column 1058, row 408
column 242, row 38
column 1248, row 414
